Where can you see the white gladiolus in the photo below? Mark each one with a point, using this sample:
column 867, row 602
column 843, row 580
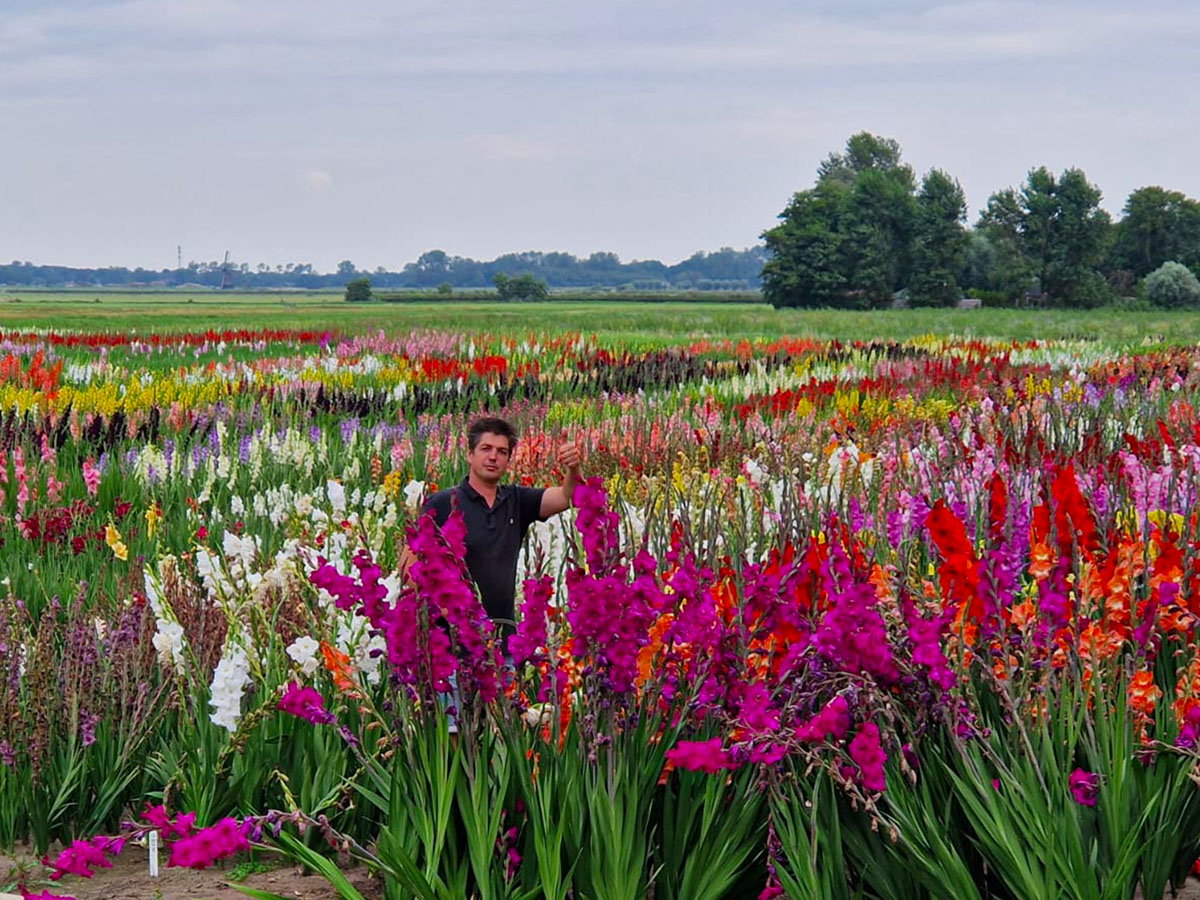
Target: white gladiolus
column 229, row 682
column 303, row 651
column 337, row 497
column 150, row 459
column 754, row 471
column 355, row 640
column 169, row 643
column 239, row 554
column 413, row 491
column 213, row 575
column 538, row 715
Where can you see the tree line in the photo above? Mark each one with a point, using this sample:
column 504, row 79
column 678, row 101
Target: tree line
column 724, row 269
column 868, row 235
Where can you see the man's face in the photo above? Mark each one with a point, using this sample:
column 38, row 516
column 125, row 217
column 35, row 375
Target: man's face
column 489, row 460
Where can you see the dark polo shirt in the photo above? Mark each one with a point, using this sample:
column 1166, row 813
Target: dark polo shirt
column 494, row 536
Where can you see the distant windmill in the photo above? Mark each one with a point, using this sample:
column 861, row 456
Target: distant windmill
column 226, row 274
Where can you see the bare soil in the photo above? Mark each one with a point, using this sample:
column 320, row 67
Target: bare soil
column 129, row 879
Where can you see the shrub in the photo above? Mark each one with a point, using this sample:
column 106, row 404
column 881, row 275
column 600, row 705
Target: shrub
column 1172, row 284
column 523, row 287
column 358, row 290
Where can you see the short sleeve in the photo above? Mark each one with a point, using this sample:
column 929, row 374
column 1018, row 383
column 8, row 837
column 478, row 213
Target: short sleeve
column 529, row 502
column 438, row 506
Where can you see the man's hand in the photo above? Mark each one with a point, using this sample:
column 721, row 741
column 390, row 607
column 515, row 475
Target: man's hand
column 569, row 455
column 557, row 499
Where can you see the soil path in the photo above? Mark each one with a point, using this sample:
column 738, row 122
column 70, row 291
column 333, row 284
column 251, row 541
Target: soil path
column 129, row 879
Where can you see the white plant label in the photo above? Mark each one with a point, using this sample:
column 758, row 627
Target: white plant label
column 154, row 854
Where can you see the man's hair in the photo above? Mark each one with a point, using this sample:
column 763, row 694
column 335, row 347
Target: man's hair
column 491, row 425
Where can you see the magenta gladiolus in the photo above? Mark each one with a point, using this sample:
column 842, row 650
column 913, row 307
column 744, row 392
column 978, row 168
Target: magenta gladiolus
column 181, row 826
column 81, row 857
column 1085, row 787
column 306, row 703
column 208, row 845
column 701, row 756
column 867, row 752
column 833, row 721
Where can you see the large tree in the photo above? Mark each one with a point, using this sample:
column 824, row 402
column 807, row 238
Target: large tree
column 845, row 241
column 1053, row 233
column 805, row 266
column 1157, row 226
column 939, row 241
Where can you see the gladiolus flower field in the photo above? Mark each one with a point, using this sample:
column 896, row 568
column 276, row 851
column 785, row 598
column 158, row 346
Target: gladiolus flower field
column 904, row 620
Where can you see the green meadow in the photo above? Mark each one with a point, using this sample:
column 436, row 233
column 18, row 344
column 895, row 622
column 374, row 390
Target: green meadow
column 615, row 319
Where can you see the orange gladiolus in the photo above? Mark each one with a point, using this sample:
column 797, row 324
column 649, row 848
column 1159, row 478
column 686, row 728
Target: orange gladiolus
column 1144, row 693
column 1041, row 561
column 342, row 670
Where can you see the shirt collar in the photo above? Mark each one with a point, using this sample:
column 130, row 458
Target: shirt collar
column 470, row 493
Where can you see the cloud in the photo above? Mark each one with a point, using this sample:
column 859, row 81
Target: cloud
column 650, row 127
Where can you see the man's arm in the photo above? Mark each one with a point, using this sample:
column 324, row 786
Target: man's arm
column 557, row 499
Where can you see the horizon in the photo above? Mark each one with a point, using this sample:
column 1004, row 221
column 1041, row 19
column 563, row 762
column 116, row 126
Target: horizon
column 332, row 270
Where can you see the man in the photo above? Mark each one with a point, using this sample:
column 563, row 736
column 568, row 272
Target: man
column 498, row 515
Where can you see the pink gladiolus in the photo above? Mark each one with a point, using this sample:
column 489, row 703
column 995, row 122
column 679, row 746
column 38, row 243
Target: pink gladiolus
column 756, row 712
column 531, row 630
column 91, row 476
column 306, row 703
column 208, row 845
column 44, row 895
column 157, row 816
column 701, row 756
column 833, row 721
column 1085, row 787
column 81, row 856
column 867, row 752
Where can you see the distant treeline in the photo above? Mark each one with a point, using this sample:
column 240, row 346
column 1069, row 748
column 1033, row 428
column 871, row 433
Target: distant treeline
column 723, row 270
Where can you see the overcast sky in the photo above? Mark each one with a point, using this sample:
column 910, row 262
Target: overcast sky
column 372, row 130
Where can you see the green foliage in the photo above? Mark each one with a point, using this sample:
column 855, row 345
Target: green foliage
column 521, row 288
column 939, row 242
column 1051, row 234
column 1172, row 285
column 804, row 266
column 358, row 290
column 845, row 243
column 1157, row 225
column 246, row 868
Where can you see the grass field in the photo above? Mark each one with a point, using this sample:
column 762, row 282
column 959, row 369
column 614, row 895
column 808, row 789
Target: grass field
column 616, row 320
